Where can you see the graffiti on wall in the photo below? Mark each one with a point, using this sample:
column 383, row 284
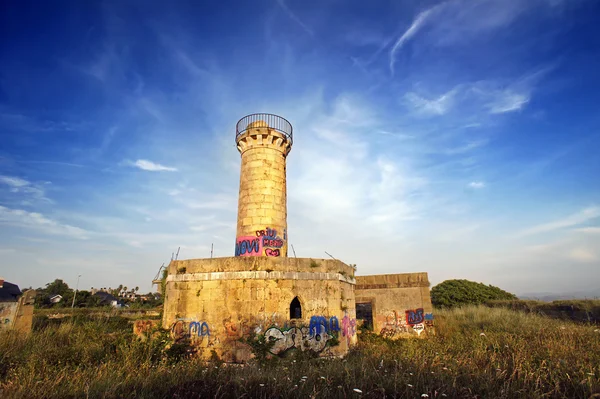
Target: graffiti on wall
column 183, row 329
column 418, row 328
column 394, row 325
column 248, row 246
column 320, row 330
column 416, row 316
column 296, row 337
column 265, row 243
column 348, row 327
column 7, row 314
column 429, row 319
column 321, row 323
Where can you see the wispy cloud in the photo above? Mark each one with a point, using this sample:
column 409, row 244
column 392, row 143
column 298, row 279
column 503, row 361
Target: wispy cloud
column 150, row 166
column 294, row 17
column 477, row 184
column 408, row 34
column 25, row 190
column 39, row 223
column 435, row 106
column 575, row 219
column 14, row 182
column 588, row 230
column 508, row 101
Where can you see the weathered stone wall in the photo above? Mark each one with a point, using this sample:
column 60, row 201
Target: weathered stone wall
column 18, row 315
column 8, row 312
column 217, row 301
column 262, row 203
column 401, row 303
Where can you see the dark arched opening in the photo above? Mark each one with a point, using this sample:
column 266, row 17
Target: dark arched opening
column 295, row 309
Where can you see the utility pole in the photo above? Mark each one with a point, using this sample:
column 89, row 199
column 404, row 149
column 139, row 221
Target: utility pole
column 75, row 294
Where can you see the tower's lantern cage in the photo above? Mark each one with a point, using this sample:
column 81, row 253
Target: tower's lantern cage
column 274, row 122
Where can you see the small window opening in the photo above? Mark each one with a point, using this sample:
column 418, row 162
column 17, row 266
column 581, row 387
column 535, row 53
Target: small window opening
column 295, row 309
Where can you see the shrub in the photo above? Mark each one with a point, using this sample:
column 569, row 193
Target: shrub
column 451, row 293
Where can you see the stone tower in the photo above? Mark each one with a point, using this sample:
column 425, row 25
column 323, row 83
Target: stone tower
column 264, row 141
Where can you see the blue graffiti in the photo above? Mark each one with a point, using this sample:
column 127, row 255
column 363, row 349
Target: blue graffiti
column 334, row 324
column 201, row 330
column 320, row 323
column 428, row 316
column 317, row 323
column 414, row 316
column 250, row 246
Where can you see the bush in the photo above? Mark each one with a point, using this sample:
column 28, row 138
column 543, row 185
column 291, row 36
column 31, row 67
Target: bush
column 452, row 293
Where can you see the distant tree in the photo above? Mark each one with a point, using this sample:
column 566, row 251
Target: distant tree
column 57, row 287
column 454, row 293
column 137, row 289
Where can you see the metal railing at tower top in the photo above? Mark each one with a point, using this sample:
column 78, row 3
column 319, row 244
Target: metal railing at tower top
column 274, row 122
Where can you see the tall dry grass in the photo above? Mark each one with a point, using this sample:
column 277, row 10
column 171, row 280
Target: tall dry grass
column 477, row 353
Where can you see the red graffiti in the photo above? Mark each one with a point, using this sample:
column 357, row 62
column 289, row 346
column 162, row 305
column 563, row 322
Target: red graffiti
column 271, row 252
column 277, row 243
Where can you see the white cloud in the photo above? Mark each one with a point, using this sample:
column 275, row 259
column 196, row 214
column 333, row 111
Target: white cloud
column 508, row 101
column 436, row 106
column 583, row 255
column 588, row 230
column 39, row 223
column 152, row 166
column 408, row 34
column 25, row 190
column 294, row 17
column 477, row 184
column 575, row 219
column 13, row 181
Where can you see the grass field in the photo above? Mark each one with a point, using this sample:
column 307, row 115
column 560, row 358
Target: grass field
column 478, row 352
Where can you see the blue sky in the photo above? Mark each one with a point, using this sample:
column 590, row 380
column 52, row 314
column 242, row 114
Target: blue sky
column 455, row 137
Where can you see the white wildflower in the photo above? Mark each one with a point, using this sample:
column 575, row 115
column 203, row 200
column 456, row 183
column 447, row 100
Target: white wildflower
column 357, row 390
column 424, row 395
column 410, row 385
column 482, row 335
column 262, row 385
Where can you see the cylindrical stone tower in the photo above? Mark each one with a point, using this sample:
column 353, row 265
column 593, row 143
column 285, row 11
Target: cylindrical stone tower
column 264, row 141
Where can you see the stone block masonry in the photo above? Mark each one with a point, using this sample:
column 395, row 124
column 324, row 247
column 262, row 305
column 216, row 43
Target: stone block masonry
column 262, row 203
column 304, row 304
column 395, row 305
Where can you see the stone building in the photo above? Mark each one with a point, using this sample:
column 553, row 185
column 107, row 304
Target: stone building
column 296, row 303
column 16, row 308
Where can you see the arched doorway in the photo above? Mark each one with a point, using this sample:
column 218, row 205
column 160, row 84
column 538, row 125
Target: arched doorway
column 295, row 309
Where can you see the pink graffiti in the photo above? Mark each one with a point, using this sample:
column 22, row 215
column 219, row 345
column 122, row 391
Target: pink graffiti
column 348, row 327
column 248, row 246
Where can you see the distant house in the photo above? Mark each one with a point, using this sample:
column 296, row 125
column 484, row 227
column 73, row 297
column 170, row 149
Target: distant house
column 56, row 298
column 108, row 299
